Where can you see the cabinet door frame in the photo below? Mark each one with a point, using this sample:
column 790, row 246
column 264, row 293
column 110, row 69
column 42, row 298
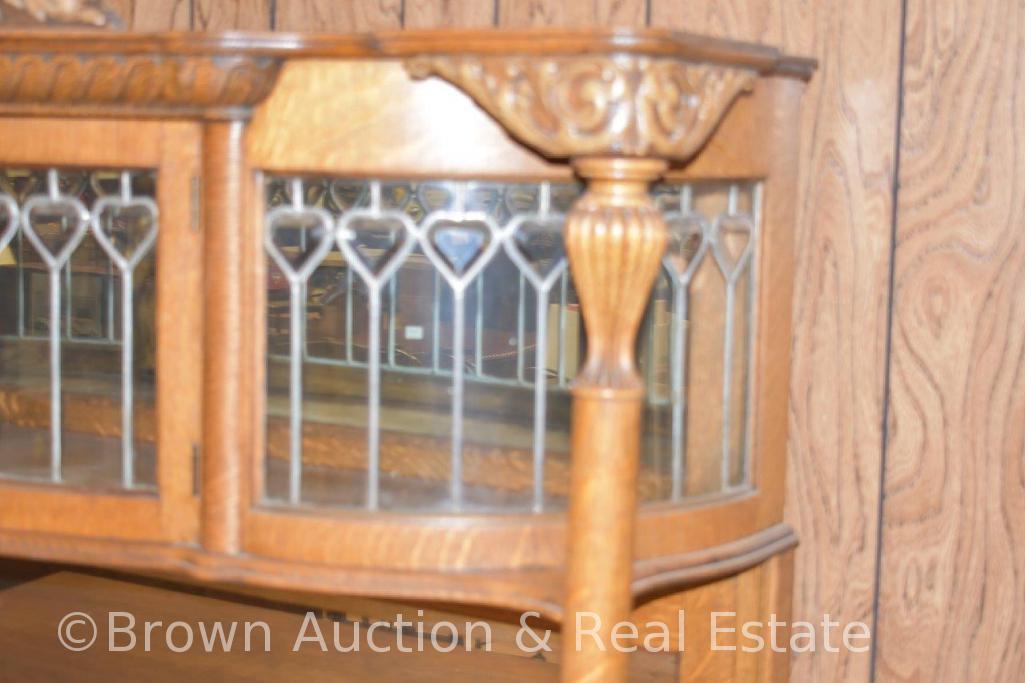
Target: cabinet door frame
column 172, row 149
column 755, row 141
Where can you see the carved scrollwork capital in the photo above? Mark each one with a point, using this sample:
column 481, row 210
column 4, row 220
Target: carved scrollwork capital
column 620, row 104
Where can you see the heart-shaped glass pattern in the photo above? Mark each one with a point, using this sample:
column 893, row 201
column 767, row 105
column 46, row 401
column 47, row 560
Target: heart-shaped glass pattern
column 376, row 244
column 521, row 199
column 55, row 226
column 279, row 192
column 110, row 183
column 460, row 244
column 435, row 196
column 486, row 198
column 20, row 184
column 125, row 228
column 687, row 244
column 298, row 239
column 535, row 244
column 348, row 194
column 397, row 196
column 72, row 183
column 733, row 243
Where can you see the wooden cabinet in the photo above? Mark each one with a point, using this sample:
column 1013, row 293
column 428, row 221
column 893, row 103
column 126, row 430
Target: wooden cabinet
column 490, row 318
column 64, row 354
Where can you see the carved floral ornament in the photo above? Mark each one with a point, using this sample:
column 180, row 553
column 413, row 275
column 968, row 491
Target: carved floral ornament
column 627, row 105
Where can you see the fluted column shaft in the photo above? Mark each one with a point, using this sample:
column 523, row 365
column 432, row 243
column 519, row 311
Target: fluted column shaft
column 615, row 239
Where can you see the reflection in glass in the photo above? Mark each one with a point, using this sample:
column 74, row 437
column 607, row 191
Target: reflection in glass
column 426, row 362
column 77, row 347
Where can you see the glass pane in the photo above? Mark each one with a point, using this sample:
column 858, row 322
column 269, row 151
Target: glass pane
column 77, row 346
column 420, row 357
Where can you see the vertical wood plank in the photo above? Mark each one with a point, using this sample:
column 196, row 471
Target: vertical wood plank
column 841, row 301
column 331, row 15
column 457, row 13
column 179, row 326
column 153, row 15
column 758, row 20
column 240, row 15
column 952, row 585
column 631, row 13
column 777, row 598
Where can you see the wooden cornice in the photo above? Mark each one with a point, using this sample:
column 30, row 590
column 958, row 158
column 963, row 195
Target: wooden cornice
column 566, row 93
column 114, row 84
column 413, row 43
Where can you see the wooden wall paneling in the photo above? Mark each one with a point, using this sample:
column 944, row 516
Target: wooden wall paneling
column 459, row 13
column 631, row 13
column 337, row 16
column 237, row 15
column 153, row 15
column 757, row 20
column 841, row 302
column 952, row 581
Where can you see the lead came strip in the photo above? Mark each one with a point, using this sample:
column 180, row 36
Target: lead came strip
column 543, row 277
column 297, row 272
column 72, row 226
column 55, row 223
column 108, row 232
column 460, row 256
column 460, row 241
column 688, row 224
column 731, row 270
column 752, row 319
column 375, row 275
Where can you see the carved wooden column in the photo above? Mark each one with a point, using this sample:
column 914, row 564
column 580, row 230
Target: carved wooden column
column 615, row 238
column 222, row 381
column 620, row 118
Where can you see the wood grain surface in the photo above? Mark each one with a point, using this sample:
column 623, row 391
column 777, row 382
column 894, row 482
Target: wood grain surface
column 952, row 581
column 217, row 15
column 841, row 292
column 32, row 650
column 456, row 13
column 952, row 559
column 554, row 13
column 153, row 15
column 331, row 15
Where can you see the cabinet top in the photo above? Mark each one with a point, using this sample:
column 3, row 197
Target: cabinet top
column 565, row 93
column 412, row 43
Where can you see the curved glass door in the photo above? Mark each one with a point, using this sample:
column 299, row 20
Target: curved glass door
column 422, row 339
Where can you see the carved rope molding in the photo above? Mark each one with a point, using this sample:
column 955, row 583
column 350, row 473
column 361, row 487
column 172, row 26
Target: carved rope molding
column 627, row 105
column 139, row 83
